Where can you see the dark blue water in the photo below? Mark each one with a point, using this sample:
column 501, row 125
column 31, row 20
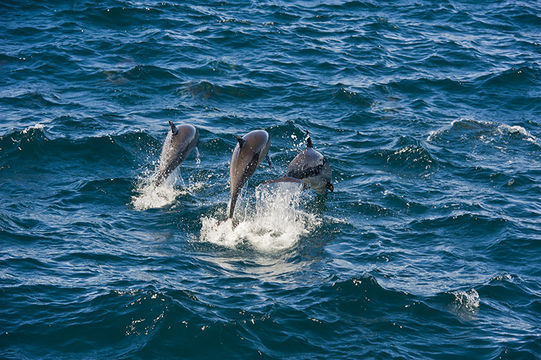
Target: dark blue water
column 428, row 112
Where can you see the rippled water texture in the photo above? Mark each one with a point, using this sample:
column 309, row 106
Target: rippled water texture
column 428, row 112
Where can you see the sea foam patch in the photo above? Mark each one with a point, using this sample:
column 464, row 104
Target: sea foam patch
column 275, row 223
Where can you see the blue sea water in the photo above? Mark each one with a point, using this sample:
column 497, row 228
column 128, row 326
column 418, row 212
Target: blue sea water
column 428, row 112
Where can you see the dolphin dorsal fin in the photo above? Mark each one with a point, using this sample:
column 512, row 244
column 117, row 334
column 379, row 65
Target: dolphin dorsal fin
column 240, row 140
column 308, row 140
column 173, row 128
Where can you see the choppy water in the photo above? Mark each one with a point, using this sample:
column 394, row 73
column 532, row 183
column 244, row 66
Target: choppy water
column 428, row 112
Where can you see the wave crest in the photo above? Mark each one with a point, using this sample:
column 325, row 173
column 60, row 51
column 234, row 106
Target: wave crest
column 486, row 131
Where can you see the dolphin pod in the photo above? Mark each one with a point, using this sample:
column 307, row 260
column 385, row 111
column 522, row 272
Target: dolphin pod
column 309, row 168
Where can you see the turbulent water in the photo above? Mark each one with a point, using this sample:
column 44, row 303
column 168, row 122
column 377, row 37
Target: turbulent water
column 428, row 112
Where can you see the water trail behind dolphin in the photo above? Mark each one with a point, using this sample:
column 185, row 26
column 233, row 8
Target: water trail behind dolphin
column 150, row 196
column 276, row 223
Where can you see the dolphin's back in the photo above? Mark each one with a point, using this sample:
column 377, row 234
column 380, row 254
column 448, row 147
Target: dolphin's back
column 311, row 167
column 307, row 164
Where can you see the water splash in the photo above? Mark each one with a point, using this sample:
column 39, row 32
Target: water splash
column 152, row 196
column 276, row 223
column 467, row 300
column 465, row 304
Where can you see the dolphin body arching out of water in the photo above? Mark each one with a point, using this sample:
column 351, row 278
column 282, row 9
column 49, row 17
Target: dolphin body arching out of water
column 178, row 144
column 250, row 151
column 310, row 168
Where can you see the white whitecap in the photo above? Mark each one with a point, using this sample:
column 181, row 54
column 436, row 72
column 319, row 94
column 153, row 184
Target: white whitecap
column 516, row 129
column 466, row 300
column 492, row 129
column 38, row 126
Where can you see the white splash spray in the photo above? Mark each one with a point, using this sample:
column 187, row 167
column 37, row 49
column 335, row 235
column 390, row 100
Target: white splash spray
column 38, row 126
column 276, row 223
column 466, row 300
column 150, row 196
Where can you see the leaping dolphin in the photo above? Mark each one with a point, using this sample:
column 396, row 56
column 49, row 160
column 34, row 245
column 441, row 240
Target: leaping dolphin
column 309, row 167
column 251, row 149
column 178, row 144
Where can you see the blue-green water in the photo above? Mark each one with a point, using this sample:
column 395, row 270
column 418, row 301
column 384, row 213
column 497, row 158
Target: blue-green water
column 428, row 112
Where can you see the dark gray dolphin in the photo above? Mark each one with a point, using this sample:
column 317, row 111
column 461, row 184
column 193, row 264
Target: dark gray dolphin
column 251, row 149
column 178, row 144
column 309, row 167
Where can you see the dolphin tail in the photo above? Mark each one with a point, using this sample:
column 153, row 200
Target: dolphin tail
column 232, row 204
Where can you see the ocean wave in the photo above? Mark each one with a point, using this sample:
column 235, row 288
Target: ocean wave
column 485, row 131
column 353, row 97
column 420, row 85
column 475, row 224
column 410, row 155
column 519, row 77
column 365, row 285
column 223, row 66
column 206, row 90
column 32, row 100
column 116, row 16
column 454, row 306
column 513, row 292
column 149, row 73
column 513, row 248
column 33, row 141
column 6, row 60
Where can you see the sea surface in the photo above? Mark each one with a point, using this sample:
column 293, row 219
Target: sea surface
column 429, row 113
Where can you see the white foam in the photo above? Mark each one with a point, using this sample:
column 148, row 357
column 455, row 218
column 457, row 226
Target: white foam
column 37, row 126
column 276, row 223
column 151, row 196
column 456, row 122
column 506, row 129
column 467, row 300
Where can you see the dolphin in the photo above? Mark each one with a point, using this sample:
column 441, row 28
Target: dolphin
column 309, row 167
column 178, row 144
column 251, row 149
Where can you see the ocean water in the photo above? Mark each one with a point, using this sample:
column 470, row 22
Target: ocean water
column 428, row 112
